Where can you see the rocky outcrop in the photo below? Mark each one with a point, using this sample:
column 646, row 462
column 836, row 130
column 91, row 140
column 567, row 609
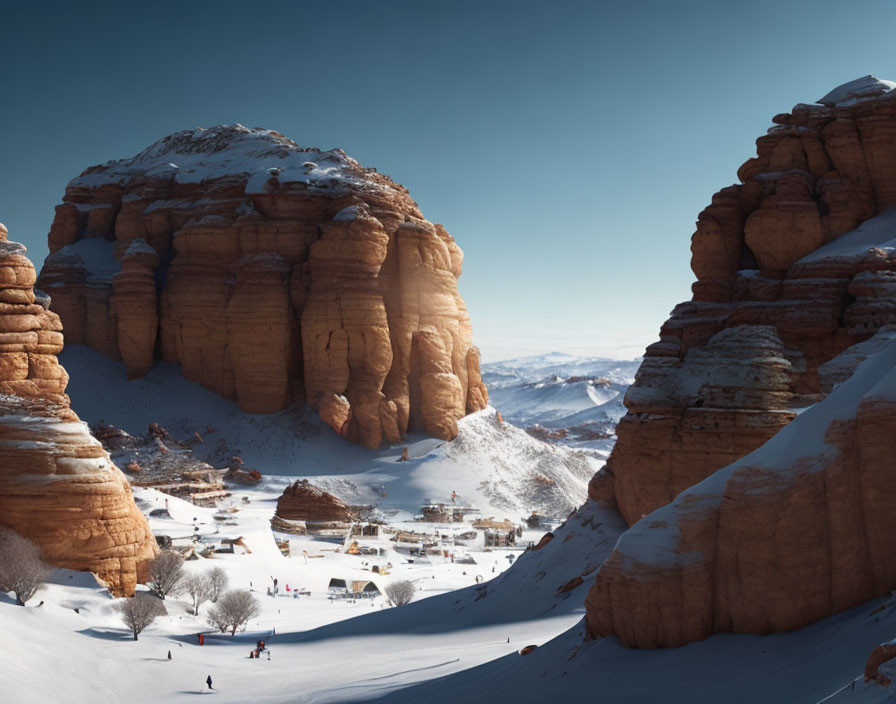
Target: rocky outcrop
column 302, row 501
column 271, row 274
column 58, row 486
column 766, row 412
column 882, row 654
column 794, row 532
column 793, row 267
column 134, row 307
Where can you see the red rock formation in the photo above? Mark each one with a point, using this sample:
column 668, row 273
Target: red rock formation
column 881, row 654
column 774, row 522
column 58, row 486
column 302, row 501
column 135, row 308
column 280, row 274
column 773, row 300
column 794, row 532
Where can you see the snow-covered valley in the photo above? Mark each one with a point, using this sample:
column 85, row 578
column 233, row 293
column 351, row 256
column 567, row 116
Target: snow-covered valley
column 466, row 612
column 462, row 635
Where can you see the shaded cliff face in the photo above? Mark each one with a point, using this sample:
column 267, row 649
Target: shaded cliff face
column 756, row 415
column 782, row 288
column 794, row 532
column 271, row 274
column 58, row 486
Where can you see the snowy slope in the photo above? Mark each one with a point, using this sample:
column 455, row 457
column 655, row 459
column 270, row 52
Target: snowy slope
column 800, row 667
column 878, row 232
column 323, row 650
column 498, row 468
column 448, row 648
column 453, row 646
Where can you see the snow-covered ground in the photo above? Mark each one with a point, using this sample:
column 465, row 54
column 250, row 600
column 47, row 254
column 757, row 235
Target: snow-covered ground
column 573, row 401
column 799, row 667
column 460, row 638
column 466, row 612
column 55, row 653
column 495, row 467
column 450, row 646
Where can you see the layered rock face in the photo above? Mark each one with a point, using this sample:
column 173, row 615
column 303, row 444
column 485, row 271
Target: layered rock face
column 271, row 274
column 778, row 515
column 58, row 486
column 792, row 268
column 794, row 532
column 302, row 501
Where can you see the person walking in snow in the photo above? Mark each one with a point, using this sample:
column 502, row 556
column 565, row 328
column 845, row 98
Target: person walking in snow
column 208, row 681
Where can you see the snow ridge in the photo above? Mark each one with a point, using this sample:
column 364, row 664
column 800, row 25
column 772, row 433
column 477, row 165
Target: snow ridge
column 234, row 151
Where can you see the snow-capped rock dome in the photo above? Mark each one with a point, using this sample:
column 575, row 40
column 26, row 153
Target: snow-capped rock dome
column 864, row 88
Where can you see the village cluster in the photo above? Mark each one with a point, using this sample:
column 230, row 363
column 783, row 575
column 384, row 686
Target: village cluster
column 346, row 558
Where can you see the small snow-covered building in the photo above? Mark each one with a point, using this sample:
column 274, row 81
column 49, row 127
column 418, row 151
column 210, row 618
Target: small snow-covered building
column 337, row 586
column 364, row 588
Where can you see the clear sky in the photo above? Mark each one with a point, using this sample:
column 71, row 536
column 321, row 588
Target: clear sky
column 567, row 146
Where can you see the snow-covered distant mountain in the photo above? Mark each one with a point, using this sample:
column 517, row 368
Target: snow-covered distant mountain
column 562, row 398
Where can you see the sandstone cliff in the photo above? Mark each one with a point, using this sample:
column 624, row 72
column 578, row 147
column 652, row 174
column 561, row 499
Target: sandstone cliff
column 794, row 532
column 271, row 274
column 57, row 484
column 785, row 521
column 781, row 290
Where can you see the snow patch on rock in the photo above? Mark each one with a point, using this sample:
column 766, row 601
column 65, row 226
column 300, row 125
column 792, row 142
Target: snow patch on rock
column 865, row 88
column 260, row 155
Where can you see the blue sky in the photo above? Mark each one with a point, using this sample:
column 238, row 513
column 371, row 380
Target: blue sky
column 567, row 146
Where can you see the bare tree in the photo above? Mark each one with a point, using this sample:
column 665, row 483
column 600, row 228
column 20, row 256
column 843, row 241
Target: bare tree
column 233, row 610
column 401, row 592
column 165, row 574
column 22, row 572
column 218, row 619
column 199, row 586
column 218, row 580
column 139, row 611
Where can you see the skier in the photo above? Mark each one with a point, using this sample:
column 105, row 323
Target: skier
column 169, row 654
column 208, row 681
